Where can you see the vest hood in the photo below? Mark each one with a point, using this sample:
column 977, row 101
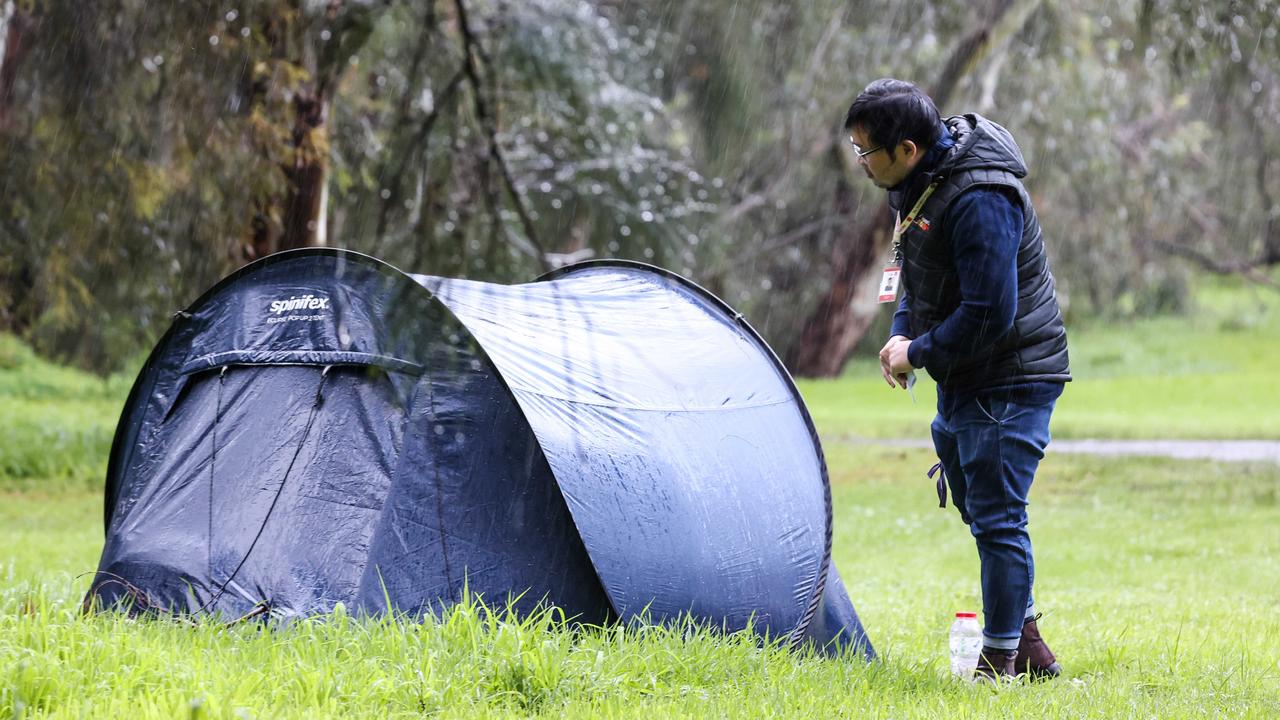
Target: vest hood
column 981, row 145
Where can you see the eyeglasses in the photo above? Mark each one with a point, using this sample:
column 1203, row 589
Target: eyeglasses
column 863, row 153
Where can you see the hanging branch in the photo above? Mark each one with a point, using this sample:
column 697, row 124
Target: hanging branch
column 419, row 138
column 822, row 224
column 471, row 49
column 428, row 195
column 1250, row 270
column 403, row 109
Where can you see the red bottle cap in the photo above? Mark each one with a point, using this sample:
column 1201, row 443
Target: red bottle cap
column 967, row 615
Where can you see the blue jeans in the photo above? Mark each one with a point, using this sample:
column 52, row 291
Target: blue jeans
column 989, row 448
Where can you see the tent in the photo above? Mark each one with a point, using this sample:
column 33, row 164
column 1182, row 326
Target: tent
column 320, row 427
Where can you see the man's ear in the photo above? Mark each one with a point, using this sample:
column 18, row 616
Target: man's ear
column 909, row 149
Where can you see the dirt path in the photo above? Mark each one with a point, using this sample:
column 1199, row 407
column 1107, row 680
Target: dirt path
column 1225, row 450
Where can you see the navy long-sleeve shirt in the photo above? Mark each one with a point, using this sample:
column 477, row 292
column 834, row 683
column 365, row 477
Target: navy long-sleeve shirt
column 985, row 229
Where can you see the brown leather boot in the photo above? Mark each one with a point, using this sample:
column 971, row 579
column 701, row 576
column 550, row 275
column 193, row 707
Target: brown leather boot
column 995, row 665
column 1035, row 659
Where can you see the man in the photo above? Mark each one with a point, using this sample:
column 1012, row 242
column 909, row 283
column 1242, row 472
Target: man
column 978, row 312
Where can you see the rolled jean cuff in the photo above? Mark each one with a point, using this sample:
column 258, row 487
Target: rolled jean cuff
column 1000, row 643
column 1032, row 612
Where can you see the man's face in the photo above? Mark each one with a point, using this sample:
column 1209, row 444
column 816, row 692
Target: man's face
column 884, row 171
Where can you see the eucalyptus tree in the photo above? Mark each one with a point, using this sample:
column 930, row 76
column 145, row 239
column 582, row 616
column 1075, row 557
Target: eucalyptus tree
column 148, row 149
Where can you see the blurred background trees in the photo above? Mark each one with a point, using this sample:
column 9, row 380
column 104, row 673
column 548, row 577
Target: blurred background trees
column 146, row 149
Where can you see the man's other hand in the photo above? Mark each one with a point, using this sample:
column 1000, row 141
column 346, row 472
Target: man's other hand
column 894, row 364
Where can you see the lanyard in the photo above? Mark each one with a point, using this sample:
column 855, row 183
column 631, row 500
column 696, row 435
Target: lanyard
column 900, row 227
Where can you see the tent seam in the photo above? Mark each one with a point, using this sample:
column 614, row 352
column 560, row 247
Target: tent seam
column 621, row 406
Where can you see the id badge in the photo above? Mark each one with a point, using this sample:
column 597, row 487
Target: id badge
column 889, row 284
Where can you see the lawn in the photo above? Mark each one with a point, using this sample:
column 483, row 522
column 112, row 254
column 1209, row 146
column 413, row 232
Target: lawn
column 1158, row 578
column 1209, row 375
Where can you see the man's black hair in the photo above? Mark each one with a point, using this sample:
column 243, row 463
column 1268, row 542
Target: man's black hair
column 890, row 111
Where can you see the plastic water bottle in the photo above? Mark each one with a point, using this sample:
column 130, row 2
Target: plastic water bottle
column 966, row 644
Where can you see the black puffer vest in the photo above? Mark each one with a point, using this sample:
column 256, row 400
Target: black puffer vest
column 1035, row 349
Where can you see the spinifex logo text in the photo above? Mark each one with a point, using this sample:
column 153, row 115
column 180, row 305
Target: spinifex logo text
column 306, row 302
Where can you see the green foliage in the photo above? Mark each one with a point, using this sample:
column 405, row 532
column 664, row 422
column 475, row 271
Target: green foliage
column 117, row 205
column 596, row 160
column 1151, row 128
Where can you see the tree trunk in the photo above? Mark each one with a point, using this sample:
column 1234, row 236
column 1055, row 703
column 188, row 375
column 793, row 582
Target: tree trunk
column 17, row 271
column 1269, row 253
column 14, row 44
column 842, row 317
column 318, row 46
column 294, row 218
column 304, row 204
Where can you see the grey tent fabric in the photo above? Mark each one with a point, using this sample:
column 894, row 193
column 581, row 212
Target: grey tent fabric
column 322, row 428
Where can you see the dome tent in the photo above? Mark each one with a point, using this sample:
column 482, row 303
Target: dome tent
column 320, row 427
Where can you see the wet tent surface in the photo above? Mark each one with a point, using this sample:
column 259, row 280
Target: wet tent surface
column 321, row 428
column 609, row 364
column 475, row 505
column 244, row 472
column 195, row 507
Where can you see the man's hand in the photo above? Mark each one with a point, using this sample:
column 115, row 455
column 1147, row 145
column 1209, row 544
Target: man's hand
column 894, row 364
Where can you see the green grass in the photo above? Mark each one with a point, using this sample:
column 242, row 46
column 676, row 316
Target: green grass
column 1158, row 579
column 1211, row 375
column 57, row 423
